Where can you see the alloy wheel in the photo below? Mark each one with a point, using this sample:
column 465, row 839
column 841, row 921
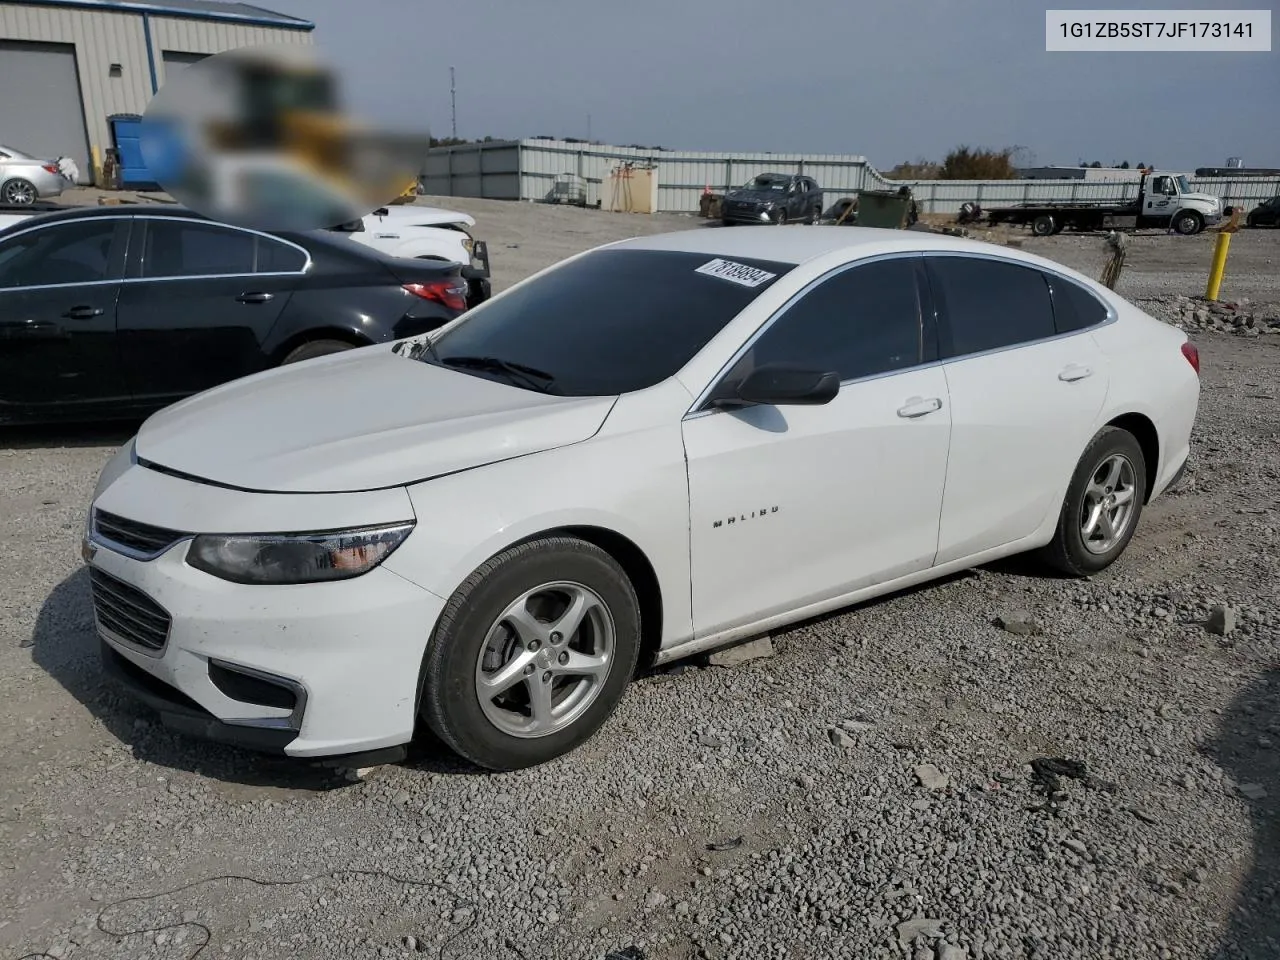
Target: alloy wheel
column 1107, row 510
column 545, row 659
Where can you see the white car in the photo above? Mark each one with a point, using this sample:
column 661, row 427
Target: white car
column 651, row 449
column 420, row 232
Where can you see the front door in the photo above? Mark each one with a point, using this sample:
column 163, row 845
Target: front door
column 796, row 504
column 203, row 299
column 1161, row 198
column 58, row 289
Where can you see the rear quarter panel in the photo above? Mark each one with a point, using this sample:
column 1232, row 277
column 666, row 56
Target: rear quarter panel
column 1150, row 376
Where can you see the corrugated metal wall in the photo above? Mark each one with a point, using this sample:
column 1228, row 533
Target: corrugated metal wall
column 527, row 170
column 103, row 37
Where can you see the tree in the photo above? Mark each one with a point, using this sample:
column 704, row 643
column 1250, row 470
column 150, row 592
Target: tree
column 1096, row 164
column 1144, row 166
column 1125, row 165
column 920, row 169
column 965, row 163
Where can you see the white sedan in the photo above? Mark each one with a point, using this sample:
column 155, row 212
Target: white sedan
column 652, row 449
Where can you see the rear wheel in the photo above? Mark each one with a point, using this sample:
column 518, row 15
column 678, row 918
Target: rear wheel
column 19, row 193
column 532, row 654
column 1102, row 506
column 316, row 348
column 1043, row 225
column 815, row 215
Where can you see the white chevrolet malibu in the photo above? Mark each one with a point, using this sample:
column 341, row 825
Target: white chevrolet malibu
column 649, row 450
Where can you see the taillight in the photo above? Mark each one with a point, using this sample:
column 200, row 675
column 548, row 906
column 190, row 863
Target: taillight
column 1193, row 356
column 451, row 293
column 50, row 167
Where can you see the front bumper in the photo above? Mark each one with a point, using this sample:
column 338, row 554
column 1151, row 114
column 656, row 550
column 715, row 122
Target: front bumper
column 754, row 214
column 308, row 670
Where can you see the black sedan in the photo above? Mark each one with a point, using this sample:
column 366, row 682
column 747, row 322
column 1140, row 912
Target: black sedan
column 1265, row 214
column 113, row 313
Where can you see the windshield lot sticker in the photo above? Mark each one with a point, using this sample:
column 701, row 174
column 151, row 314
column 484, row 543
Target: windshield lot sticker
column 738, row 273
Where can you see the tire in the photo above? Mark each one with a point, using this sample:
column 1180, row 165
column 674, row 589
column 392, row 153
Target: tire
column 1058, row 227
column 19, row 192
column 1251, row 221
column 726, row 222
column 1188, row 222
column 316, row 348
column 1043, row 225
column 815, row 215
column 782, row 218
column 474, row 639
column 1070, row 551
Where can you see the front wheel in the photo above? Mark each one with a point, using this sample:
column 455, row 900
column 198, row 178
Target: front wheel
column 1188, row 222
column 316, row 348
column 782, row 218
column 1043, row 225
column 532, row 654
column 1102, row 506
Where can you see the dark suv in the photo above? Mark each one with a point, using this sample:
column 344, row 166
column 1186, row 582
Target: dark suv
column 1265, row 214
column 773, row 198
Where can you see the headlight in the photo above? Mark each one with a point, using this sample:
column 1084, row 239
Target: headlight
column 295, row 558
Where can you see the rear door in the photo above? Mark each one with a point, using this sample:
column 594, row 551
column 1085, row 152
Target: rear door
column 1026, row 390
column 201, row 300
column 58, row 289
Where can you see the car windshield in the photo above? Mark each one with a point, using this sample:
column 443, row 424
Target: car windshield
column 1184, row 185
column 767, row 183
column 609, row 322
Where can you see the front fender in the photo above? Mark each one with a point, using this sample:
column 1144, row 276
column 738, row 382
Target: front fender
column 470, row 516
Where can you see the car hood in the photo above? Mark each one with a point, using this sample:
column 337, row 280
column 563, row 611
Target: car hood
column 411, row 214
column 757, row 196
column 358, row 420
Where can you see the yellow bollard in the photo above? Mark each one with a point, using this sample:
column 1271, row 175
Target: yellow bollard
column 1219, row 265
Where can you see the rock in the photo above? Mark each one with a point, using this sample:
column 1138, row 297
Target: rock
column 1019, row 622
column 953, row 951
column 924, row 952
column 919, row 927
column 654, row 899
column 411, row 943
column 1252, row 791
column 931, row 778
column 1167, row 711
column 856, row 725
column 707, row 740
column 841, row 739
column 682, row 908
column 1222, row 620
column 756, row 649
column 1076, row 846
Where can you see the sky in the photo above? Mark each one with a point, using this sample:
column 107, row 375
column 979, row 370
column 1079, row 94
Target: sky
column 891, row 81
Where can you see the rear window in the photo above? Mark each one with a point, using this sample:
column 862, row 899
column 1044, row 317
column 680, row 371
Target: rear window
column 613, row 321
column 1074, row 308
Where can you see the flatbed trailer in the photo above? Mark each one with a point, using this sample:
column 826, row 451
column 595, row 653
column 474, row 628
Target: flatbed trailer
column 1163, row 200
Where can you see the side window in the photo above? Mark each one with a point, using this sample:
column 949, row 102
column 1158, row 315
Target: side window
column 184, row 248
column 277, row 257
column 1074, row 308
column 61, row 253
column 989, row 304
column 863, row 321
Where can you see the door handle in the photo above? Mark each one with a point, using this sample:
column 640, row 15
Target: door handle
column 1073, row 372
column 83, row 313
column 255, row 297
column 919, row 407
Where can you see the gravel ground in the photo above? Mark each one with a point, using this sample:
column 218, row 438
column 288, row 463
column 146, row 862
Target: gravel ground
column 876, row 788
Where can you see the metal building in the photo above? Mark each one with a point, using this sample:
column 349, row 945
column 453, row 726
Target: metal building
column 68, row 65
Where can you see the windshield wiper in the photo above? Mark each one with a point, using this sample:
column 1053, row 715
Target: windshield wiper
column 532, row 377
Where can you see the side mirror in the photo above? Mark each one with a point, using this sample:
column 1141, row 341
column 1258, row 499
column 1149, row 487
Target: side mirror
column 781, row 384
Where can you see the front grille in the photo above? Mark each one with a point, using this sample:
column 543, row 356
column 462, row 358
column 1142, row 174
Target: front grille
column 141, row 538
column 127, row 612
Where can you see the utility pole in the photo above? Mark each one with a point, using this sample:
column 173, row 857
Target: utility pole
column 453, row 103
column 588, row 128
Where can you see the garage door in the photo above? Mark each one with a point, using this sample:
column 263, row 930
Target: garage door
column 46, row 120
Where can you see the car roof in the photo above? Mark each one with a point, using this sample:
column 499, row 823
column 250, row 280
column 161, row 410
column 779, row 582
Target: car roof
column 797, row 244
column 15, row 154
column 308, row 238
